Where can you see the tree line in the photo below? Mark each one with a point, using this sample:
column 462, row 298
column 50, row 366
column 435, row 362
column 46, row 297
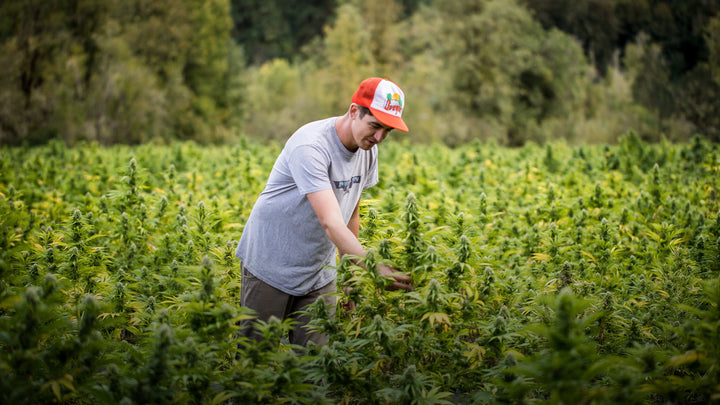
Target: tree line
column 135, row 71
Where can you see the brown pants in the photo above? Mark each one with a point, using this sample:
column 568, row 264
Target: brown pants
column 268, row 301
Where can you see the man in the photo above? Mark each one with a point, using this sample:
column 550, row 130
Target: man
column 310, row 207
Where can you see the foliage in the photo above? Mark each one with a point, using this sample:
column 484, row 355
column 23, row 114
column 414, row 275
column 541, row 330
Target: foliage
column 604, row 26
column 546, row 273
column 512, row 71
column 117, row 71
column 712, row 36
column 276, row 29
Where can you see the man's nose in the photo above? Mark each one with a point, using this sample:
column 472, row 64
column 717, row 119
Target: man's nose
column 380, row 135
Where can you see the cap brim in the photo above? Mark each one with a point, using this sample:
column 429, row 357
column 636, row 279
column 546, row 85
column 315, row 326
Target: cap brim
column 390, row 120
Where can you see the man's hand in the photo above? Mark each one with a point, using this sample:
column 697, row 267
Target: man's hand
column 348, row 305
column 402, row 280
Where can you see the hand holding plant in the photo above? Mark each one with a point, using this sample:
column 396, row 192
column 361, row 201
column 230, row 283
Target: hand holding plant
column 402, row 281
column 347, row 302
column 395, row 281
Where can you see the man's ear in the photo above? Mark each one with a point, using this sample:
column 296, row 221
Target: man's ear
column 354, row 110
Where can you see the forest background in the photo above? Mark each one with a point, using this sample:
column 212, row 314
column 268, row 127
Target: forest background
column 211, row 71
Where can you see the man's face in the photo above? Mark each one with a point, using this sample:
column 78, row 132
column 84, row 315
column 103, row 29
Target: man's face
column 368, row 131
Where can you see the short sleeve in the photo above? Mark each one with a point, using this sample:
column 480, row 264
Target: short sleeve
column 309, row 169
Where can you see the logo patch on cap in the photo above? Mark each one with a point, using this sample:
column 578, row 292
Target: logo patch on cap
column 394, row 103
column 388, row 98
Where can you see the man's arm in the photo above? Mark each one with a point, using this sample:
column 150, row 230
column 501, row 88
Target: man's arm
column 345, row 236
column 354, row 224
column 328, row 212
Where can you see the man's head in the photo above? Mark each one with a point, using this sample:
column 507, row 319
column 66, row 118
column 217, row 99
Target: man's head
column 384, row 99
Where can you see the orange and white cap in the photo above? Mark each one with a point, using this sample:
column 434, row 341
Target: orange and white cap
column 385, row 100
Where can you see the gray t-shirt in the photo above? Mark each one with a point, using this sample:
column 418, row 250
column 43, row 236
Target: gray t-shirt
column 283, row 243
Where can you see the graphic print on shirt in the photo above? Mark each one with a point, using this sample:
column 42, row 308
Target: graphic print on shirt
column 346, row 185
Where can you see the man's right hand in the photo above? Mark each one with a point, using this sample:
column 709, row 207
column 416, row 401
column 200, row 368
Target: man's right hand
column 402, row 280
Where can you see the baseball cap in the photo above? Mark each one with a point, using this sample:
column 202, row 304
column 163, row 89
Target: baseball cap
column 385, row 100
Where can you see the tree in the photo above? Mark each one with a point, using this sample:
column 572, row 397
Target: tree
column 650, row 77
column 274, row 100
column 269, row 29
column 381, row 19
column 592, row 22
column 712, row 37
column 505, row 67
column 115, row 70
column 206, row 67
column 38, row 40
column 697, row 99
column 347, row 58
column 607, row 26
column 188, row 47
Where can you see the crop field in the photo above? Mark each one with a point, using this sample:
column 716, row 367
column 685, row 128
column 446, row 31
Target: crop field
column 544, row 274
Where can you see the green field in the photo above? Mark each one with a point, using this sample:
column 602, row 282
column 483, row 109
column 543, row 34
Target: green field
column 552, row 274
